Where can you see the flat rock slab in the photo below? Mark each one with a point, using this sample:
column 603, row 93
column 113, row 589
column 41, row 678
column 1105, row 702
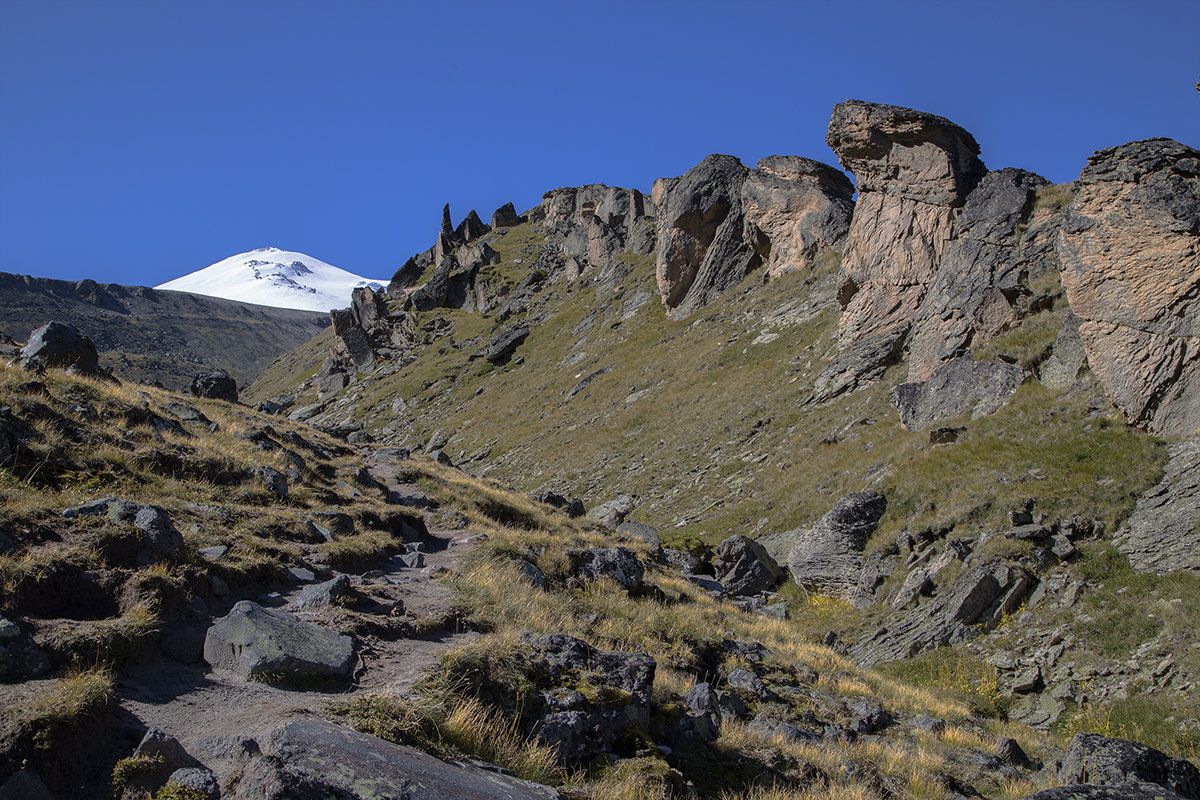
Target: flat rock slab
column 271, row 645
column 317, row 759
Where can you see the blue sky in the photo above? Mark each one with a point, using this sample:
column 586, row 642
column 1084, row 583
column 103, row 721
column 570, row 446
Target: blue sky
column 143, row 140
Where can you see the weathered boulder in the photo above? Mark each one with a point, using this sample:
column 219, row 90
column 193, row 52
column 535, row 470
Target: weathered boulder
column 309, row 759
column 320, row 595
column 579, row 726
column 828, row 557
column 1130, row 250
column 613, row 512
column 967, row 609
column 619, row 564
column 743, row 567
column 275, row 646
column 913, row 170
column 1095, row 759
column 158, row 538
column 215, row 384
column 972, row 293
column 701, row 250
column 1163, row 532
column 408, row 275
column 795, row 208
column 57, row 344
column 505, row 342
column 272, row 480
column 960, row 386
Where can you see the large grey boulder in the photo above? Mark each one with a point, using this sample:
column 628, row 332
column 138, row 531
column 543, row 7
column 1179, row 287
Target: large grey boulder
column 275, row 646
column 1163, row 532
column 1130, row 250
column 701, row 249
column 913, row 171
column 743, row 567
column 215, row 384
column 828, row 557
column 158, row 537
column 613, row 512
column 1092, row 758
column 312, row 759
column 505, row 342
column 960, row 386
column 969, row 608
column 57, row 344
column 619, row 564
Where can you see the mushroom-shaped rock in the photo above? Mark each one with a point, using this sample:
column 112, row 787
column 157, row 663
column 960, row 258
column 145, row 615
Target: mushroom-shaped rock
column 913, row 171
column 275, row 646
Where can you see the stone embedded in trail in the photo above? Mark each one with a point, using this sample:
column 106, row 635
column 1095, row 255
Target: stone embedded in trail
column 828, row 557
column 913, row 171
column 1130, row 250
column 1163, row 532
column 961, row 386
column 743, row 567
column 275, row 646
column 314, row 759
column 215, row 385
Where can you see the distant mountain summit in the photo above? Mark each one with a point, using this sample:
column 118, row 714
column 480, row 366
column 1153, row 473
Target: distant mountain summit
column 269, row 276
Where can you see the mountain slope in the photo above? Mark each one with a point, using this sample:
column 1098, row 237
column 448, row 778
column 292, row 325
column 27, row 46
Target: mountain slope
column 273, row 277
column 148, row 335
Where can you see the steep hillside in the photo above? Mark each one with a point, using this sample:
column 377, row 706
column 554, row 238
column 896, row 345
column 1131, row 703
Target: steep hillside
column 744, row 352
column 149, row 335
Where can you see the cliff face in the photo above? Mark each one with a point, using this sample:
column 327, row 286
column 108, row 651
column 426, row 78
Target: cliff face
column 1130, row 248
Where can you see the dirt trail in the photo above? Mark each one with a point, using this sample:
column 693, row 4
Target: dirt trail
column 201, row 706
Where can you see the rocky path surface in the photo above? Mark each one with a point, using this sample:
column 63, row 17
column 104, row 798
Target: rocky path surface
column 213, row 712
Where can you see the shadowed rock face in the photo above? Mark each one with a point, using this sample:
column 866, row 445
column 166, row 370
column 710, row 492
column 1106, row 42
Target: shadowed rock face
column 828, row 557
column 1163, row 532
column 1130, row 249
column 701, row 251
column 913, row 171
column 1095, row 759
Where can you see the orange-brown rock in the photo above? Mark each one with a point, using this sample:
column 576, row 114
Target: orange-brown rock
column 913, row 170
column 795, row 208
column 1130, row 249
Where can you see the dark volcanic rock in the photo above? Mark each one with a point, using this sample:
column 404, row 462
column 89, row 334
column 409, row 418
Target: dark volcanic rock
column 961, row 386
column 1163, row 532
column 275, row 646
column 506, row 217
column 1092, row 758
column 215, row 385
column 827, row 558
column 913, row 171
column 313, row 760
column 408, row 275
column 57, row 344
column 743, row 567
column 1130, row 250
column 701, row 249
column 618, row 564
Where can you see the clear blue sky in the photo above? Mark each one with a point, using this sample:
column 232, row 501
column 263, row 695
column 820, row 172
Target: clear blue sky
column 143, row 140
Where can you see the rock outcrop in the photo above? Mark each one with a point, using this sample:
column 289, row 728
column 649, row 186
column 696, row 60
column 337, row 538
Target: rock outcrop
column 1130, row 249
column 967, row 609
column 1095, row 759
column 593, row 224
column 701, row 249
column 794, row 209
column 743, row 567
column 312, row 758
column 1163, row 532
column 828, row 557
column 913, row 171
column 961, row 386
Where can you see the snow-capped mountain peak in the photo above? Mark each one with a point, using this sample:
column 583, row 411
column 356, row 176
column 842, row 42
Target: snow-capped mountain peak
column 269, row 276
